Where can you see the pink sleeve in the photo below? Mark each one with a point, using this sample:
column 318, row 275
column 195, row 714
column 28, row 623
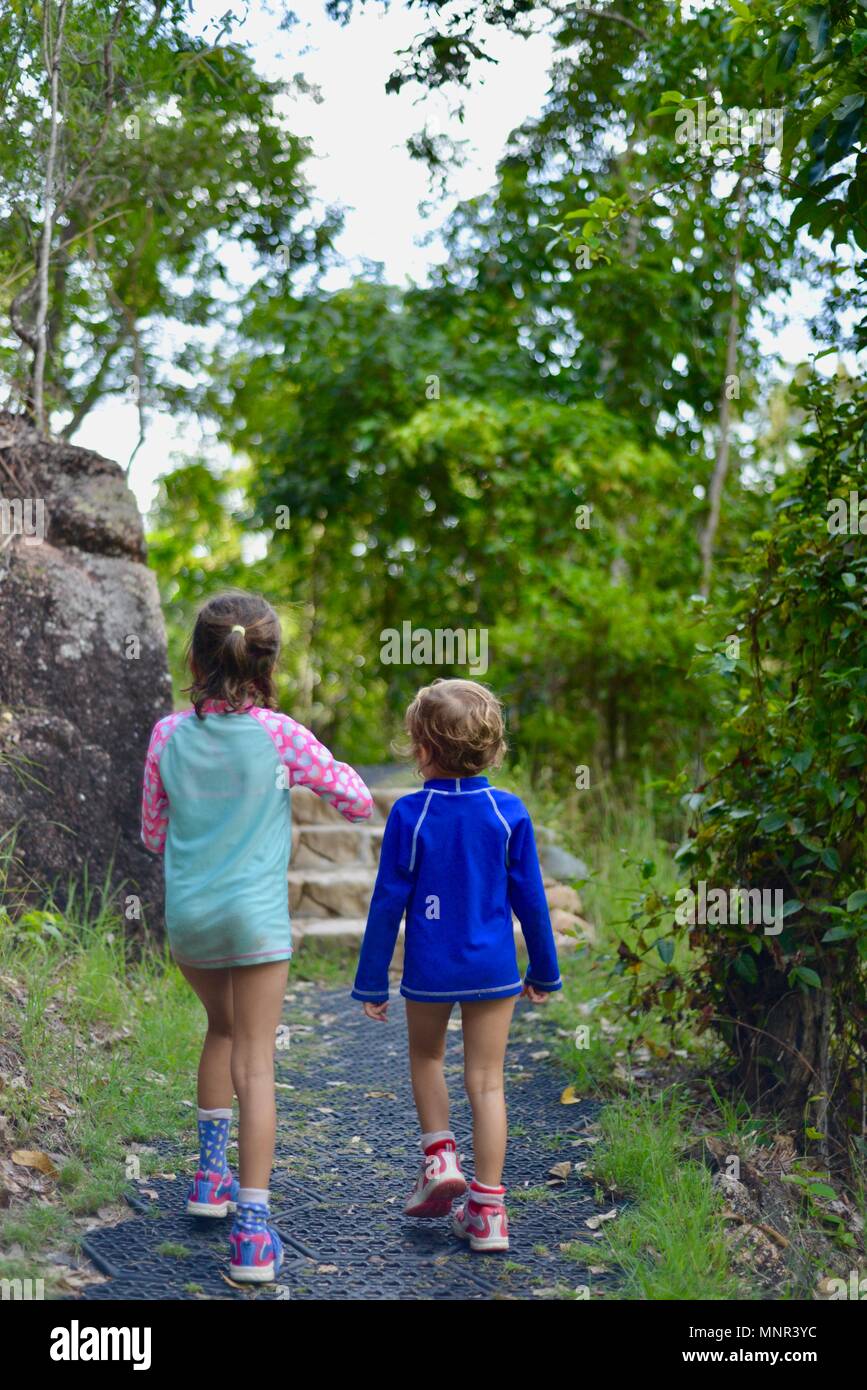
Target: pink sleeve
column 154, row 799
column 309, row 764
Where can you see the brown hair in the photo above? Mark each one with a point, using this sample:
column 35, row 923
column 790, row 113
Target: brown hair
column 228, row 663
column 460, row 723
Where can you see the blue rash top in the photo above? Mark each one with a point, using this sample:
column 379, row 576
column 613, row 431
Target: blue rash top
column 459, row 856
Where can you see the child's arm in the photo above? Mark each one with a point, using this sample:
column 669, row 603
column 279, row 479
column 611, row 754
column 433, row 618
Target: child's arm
column 154, row 799
column 310, row 764
column 390, row 895
column 527, row 897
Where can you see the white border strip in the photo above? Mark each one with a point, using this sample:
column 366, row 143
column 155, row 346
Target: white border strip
column 458, row 993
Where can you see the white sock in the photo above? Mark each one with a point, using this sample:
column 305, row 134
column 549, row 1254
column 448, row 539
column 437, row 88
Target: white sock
column 214, row 1114
column 435, row 1137
column 484, row 1196
column 254, row 1196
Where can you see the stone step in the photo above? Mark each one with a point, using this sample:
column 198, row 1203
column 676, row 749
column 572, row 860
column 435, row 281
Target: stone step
column 344, row 890
column 385, row 797
column 333, row 871
column 310, row 809
column 331, row 892
column 351, row 930
column 321, row 846
column 334, row 933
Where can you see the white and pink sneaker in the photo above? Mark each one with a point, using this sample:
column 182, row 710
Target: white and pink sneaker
column 482, row 1219
column 439, row 1182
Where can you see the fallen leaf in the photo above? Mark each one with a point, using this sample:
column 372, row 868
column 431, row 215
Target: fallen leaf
column 594, row 1222
column 561, row 1171
column 568, row 1097
column 326, row 1269
column 380, row 1095
column 34, row 1158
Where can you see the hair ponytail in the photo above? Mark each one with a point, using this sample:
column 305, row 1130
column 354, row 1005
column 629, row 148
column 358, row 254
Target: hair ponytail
column 233, row 652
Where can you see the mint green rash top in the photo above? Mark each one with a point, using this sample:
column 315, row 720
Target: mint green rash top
column 216, row 801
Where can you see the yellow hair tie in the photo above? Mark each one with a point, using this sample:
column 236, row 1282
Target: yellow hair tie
column 239, row 628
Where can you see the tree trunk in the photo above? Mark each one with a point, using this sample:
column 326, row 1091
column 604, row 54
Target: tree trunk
column 52, row 49
column 782, row 1037
column 721, row 463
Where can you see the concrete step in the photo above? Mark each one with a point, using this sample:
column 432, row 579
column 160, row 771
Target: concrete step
column 321, row 846
column 331, row 892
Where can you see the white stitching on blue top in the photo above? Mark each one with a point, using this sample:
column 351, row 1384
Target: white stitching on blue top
column 498, row 813
column 416, row 830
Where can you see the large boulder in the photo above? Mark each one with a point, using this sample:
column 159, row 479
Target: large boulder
column 83, row 670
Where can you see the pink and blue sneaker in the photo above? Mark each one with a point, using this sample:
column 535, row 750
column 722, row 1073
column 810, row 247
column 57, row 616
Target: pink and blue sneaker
column 255, row 1249
column 212, row 1194
column 214, row 1191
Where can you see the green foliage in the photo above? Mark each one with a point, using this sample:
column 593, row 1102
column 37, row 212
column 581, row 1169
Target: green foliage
column 171, row 147
column 556, row 527
column 784, row 806
column 814, row 54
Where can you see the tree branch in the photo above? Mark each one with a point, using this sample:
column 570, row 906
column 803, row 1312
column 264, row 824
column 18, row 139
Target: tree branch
column 615, row 17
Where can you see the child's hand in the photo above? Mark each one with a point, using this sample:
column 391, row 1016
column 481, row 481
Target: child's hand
column 535, row 996
column 379, row 1012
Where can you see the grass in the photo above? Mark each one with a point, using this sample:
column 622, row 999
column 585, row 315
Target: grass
column 99, row 1047
column 326, row 963
column 669, row 1241
column 103, row 1052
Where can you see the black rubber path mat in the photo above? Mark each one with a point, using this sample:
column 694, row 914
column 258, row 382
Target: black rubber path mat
column 347, row 1156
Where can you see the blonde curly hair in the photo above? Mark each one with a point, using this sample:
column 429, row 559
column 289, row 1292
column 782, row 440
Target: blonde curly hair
column 460, row 725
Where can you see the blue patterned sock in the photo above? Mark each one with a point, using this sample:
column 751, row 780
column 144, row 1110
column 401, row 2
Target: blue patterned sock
column 251, row 1216
column 214, row 1140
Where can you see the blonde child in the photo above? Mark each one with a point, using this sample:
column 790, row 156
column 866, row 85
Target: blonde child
column 459, row 857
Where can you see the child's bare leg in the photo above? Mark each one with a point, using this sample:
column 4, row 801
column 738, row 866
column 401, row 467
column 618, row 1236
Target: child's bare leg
column 486, row 1031
column 426, row 1025
column 258, row 999
column 214, row 988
